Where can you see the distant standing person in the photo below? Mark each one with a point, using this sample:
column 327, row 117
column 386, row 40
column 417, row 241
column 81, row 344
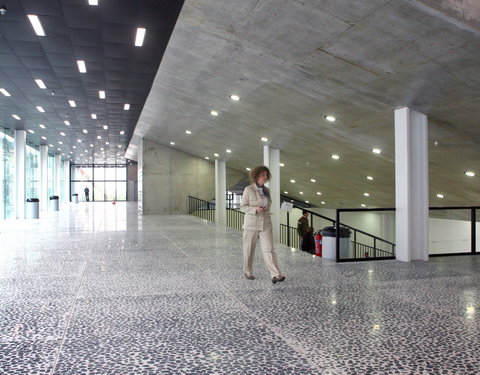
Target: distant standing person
column 257, row 224
column 302, row 228
column 87, row 193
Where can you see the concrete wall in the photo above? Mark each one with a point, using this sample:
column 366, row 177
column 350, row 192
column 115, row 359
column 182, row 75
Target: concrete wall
column 170, row 176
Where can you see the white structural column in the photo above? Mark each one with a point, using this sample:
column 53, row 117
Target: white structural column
column 66, row 177
column 411, row 185
column 58, row 175
column 220, row 192
column 271, row 159
column 43, row 178
column 20, row 146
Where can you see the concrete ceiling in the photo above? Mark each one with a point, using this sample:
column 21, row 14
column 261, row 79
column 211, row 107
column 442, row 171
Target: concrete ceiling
column 293, row 62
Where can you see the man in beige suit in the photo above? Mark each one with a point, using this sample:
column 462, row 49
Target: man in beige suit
column 258, row 224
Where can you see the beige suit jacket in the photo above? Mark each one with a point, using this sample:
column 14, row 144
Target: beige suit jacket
column 254, row 220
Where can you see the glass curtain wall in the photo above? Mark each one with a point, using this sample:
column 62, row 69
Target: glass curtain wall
column 7, row 174
column 106, row 182
column 32, row 172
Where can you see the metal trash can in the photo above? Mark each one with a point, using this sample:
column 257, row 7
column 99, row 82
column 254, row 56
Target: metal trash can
column 329, row 243
column 74, row 198
column 32, row 208
column 54, row 203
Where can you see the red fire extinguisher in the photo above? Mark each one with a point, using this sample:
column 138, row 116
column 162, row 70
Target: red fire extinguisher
column 318, row 244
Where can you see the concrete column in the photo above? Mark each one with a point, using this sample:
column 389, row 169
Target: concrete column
column 271, row 159
column 20, row 148
column 44, row 178
column 411, row 185
column 66, row 178
column 220, row 192
column 140, row 175
column 58, row 175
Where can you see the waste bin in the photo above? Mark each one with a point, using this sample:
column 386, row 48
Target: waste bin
column 32, row 208
column 54, row 206
column 329, row 243
column 74, row 198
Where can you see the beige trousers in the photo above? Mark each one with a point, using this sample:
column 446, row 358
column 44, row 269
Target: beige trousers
column 250, row 238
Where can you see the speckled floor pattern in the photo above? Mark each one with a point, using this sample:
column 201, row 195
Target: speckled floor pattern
column 98, row 289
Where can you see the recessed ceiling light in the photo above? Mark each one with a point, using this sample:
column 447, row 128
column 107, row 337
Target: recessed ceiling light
column 85, row 131
column 60, row 142
column 228, row 151
column 99, row 137
column 330, row 118
column 42, row 126
column 322, row 202
column 92, row 2
column 74, row 146
column 440, row 196
column 188, row 132
column 126, row 107
column 214, row 113
column 248, row 169
column 82, row 68
column 313, row 180
column 94, row 116
column 140, row 36
column 470, row 173
column 91, row 144
column 40, row 108
column 79, row 140
column 206, row 157
column 45, row 138
column 369, row 178
column 122, row 132
column 5, row 92
column 292, row 181
column 172, row 143
column 264, row 139
column 66, row 122
column 300, row 192
column 101, row 94
column 40, row 84
column 285, row 192
column 119, row 146
column 37, row 25
column 376, row 151
column 318, row 193
column 335, row 156
column 62, row 134
column 235, row 98
column 363, row 205
column 366, row 194
column 107, row 143
column 105, row 127
column 72, row 103
column 16, row 117
column 31, row 131
column 216, row 155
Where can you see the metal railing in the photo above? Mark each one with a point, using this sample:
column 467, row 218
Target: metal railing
column 200, row 208
column 235, row 219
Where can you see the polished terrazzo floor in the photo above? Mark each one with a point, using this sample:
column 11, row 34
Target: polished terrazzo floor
column 98, row 289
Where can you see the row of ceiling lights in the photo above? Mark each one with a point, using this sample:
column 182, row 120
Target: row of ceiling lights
column 39, row 31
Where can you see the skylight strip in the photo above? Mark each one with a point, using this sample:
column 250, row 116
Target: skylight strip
column 140, row 36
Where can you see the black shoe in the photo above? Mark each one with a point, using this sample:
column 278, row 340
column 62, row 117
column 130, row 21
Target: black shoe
column 278, row 279
column 249, row 277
